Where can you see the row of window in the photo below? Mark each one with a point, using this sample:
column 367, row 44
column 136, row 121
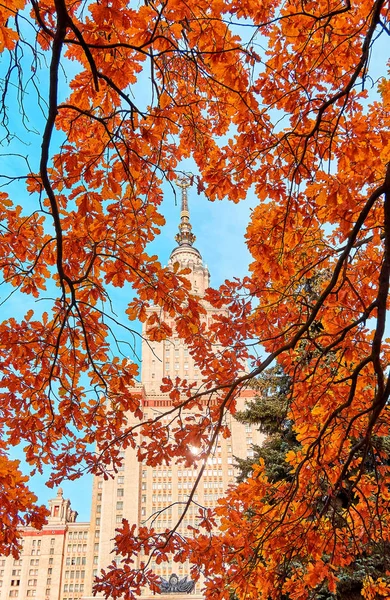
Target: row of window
column 210, row 497
column 76, row 548
column 157, row 473
column 185, row 496
column 161, row 486
column 177, row 366
column 168, row 349
column 73, row 587
column 162, row 498
column 76, row 560
column 213, row 485
column 30, row 582
column 77, row 535
column 74, row 574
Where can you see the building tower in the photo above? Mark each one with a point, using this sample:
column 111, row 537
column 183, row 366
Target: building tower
column 138, row 491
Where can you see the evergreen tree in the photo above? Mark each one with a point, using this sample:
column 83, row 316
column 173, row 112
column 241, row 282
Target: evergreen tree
column 269, row 412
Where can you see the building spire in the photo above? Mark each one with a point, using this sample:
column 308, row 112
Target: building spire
column 185, row 237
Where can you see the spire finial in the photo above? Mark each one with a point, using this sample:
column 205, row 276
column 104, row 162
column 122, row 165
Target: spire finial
column 185, row 237
column 184, row 183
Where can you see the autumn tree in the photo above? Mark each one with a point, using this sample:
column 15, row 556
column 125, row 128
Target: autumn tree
column 268, row 411
column 279, row 97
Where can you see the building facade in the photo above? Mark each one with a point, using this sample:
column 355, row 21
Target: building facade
column 53, row 560
column 72, row 554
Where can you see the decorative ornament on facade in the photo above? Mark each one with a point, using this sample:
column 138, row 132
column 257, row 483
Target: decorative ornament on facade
column 176, row 585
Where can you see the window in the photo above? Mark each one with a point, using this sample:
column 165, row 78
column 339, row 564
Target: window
column 50, row 561
column 97, row 533
column 119, row 518
column 119, row 505
column 49, row 571
column 34, row 561
column 14, row 593
column 31, row 592
column 17, row 563
column 84, row 560
column 121, row 480
column 99, row 497
column 48, row 581
column 95, row 560
column 100, row 485
column 120, row 492
column 96, row 547
column 47, row 591
column 68, row 561
column 31, row 582
column 97, row 521
column 99, row 509
column 51, row 551
column 65, row 587
column 15, row 572
column 81, row 587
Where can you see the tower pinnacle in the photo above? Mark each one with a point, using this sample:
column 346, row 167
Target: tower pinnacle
column 185, row 237
column 185, row 254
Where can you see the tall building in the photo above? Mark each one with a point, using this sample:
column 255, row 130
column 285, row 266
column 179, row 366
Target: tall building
column 136, row 492
column 72, row 554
